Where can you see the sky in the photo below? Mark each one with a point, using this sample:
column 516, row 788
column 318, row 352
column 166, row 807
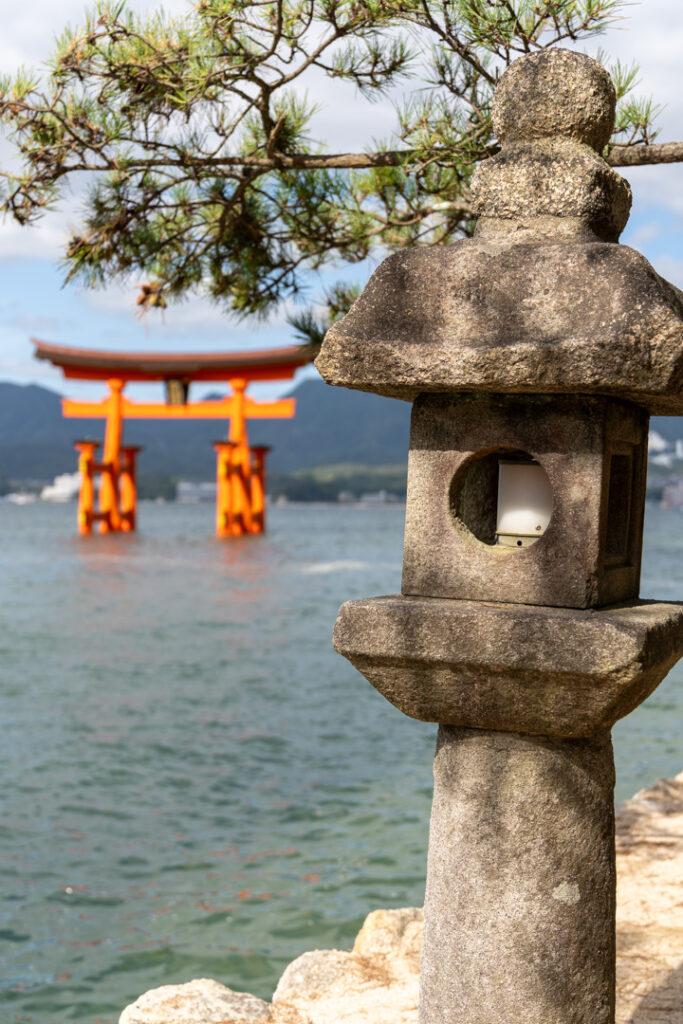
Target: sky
column 33, row 300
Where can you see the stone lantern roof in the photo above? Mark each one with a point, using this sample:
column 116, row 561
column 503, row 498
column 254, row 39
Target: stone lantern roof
column 543, row 299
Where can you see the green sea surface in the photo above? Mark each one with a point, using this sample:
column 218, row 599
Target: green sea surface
column 193, row 783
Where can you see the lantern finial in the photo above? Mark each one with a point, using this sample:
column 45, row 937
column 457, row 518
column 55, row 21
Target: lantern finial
column 555, row 93
column 553, row 113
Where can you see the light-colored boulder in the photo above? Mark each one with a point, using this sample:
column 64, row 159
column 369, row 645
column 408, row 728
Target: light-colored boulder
column 393, row 933
column 202, row 1001
column 315, row 974
column 332, row 987
column 284, row 1014
column 376, row 983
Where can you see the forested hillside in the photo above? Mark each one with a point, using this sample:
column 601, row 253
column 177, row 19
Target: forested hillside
column 332, row 425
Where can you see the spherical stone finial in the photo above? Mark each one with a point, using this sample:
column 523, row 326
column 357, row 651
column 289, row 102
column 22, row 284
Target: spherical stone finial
column 555, row 93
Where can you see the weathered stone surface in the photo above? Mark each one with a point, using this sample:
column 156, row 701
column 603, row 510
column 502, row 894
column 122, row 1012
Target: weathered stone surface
column 545, row 671
column 283, row 1014
column 556, row 178
column 541, row 300
column 590, row 552
column 519, row 908
column 377, row 986
column 555, row 92
column 314, row 974
column 393, row 933
column 553, row 112
column 202, row 1001
column 650, row 906
column 487, row 315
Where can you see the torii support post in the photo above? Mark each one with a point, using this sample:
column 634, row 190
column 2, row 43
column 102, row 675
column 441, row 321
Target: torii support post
column 118, row 487
column 258, row 487
column 224, row 450
column 128, row 487
column 110, row 468
column 231, row 481
column 240, row 467
column 240, row 470
column 86, row 496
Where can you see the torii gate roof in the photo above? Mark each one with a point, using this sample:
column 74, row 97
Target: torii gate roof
column 93, row 364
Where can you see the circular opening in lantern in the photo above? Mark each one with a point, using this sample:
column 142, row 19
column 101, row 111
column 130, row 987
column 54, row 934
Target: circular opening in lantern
column 503, row 498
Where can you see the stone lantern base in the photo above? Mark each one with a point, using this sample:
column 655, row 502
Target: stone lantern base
column 521, row 881
column 520, row 902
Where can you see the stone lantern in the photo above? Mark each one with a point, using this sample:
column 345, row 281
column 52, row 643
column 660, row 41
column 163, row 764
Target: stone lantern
column 534, row 353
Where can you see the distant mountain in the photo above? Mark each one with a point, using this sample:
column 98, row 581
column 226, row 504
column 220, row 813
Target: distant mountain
column 332, row 425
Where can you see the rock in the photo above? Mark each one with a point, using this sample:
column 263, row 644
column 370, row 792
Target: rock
column 650, row 906
column 314, row 974
column 515, row 184
column 456, row 445
column 393, row 933
column 555, row 92
column 553, row 113
column 539, row 317
column 332, row 987
column 376, row 983
column 519, row 903
column 202, row 1001
column 285, row 1014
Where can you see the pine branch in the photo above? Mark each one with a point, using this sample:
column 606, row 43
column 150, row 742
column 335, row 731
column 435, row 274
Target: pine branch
column 638, row 156
column 616, row 155
column 198, row 141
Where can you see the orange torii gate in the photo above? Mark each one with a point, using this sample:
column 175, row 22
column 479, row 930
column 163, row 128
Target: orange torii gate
column 240, row 474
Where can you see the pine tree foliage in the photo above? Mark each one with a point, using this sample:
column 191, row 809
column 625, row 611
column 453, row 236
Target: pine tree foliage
column 194, row 135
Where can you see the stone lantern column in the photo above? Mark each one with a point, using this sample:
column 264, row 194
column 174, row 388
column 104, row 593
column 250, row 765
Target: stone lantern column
column 533, row 353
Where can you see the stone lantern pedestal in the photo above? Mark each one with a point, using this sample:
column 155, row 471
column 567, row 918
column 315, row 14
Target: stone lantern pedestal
column 520, row 903
column 538, row 347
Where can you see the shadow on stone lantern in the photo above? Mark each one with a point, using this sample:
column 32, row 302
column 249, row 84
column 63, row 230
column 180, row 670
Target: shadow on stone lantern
column 534, row 353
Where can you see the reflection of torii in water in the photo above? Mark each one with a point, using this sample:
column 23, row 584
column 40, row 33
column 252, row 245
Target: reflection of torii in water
column 240, row 480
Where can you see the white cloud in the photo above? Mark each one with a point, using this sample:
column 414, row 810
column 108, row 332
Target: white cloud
column 25, row 370
column 197, row 318
column 29, row 29
column 34, row 322
column 657, row 185
column 651, row 35
column 43, row 241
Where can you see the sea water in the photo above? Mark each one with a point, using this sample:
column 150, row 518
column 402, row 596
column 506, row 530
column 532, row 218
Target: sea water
column 193, row 783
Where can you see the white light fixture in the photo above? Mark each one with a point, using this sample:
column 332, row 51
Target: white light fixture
column 525, row 503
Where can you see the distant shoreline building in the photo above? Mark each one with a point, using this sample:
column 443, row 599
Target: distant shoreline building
column 64, row 488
